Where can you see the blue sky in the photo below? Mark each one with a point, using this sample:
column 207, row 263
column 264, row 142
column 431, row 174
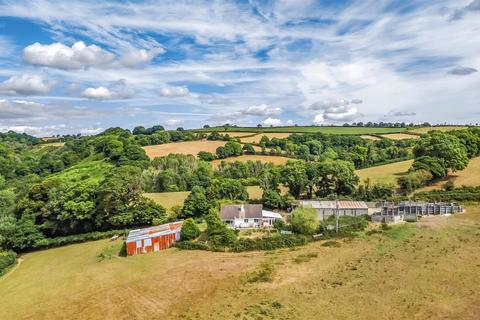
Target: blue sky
column 83, row 66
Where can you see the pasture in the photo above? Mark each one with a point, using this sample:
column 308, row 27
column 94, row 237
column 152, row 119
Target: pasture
column 437, row 128
column 186, row 147
column 369, row 137
column 399, row 136
column 256, row 139
column 387, row 173
column 277, row 160
column 307, row 129
column 393, row 274
column 469, row 177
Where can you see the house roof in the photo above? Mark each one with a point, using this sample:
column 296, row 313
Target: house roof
column 232, row 211
column 333, row 204
column 155, row 231
column 271, row 214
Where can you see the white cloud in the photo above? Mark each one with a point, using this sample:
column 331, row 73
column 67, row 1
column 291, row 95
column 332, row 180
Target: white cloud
column 25, row 84
column 118, row 90
column 180, row 91
column 140, row 57
column 340, row 114
column 357, row 101
column 262, row 110
column 318, row 120
column 326, row 104
column 173, row 122
column 272, row 122
column 58, row 55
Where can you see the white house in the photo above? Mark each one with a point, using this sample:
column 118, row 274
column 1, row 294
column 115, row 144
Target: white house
column 247, row 216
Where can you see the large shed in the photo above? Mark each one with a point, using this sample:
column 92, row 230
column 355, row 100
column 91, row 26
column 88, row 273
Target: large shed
column 325, row 209
column 153, row 239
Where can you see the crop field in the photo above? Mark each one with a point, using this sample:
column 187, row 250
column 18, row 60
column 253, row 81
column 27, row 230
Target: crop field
column 438, row 128
column 369, row 137
column 187, row 147
column 308, row 129
column 234, row 134
column 427, row 270
column 277, row 160
column 469, row 177
column 387, row 173
column 256, row 138
column 400, row 136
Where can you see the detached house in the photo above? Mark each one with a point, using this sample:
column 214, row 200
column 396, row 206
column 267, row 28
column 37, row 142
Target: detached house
column 247, row 216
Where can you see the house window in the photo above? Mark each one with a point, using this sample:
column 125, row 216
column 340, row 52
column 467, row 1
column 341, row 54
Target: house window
column 139, row 244
column 256, row 220
column 245, row 220
column 228, row 221
column 147, row 242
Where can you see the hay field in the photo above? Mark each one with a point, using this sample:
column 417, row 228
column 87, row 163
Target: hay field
column 387, row 173
column 400, row 136
column 438, row 128
column 395, row 274
column 234, row 134
column 369, row 137
column 185, row 147
column 469, row 177
column 256, row 138
column 277, row 160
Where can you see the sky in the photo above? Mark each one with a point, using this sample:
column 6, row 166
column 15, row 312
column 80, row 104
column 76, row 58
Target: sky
column 84, row 66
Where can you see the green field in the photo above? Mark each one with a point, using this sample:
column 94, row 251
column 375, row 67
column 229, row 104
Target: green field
column 307, row 129
column 387, row 173
column 427, row 270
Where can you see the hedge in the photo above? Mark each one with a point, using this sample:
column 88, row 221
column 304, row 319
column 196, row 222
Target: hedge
column 7, row 260
column 459, row 194
column 77, row 238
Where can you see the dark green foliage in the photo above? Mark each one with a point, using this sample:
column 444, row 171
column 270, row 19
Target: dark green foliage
column 369, row 192
column 248, row 149
column 190, row 230
column 206, row 156
column 219, row 236
column 294, row 176
column 274, row 200
column 196, row 204
column 7, row 260
column 279, row 224
column 271, row 242
column 230, row 189
column 18, row 235
column 456, row 194
column 346, row 225
column 436, row 166
column 414, row 180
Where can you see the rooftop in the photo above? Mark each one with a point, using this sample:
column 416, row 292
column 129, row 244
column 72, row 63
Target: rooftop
column 317, row 204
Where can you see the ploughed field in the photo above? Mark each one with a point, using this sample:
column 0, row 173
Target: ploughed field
column 427, row 270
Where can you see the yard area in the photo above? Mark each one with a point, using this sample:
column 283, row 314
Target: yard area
column 186, row 147
column 387, row 173
column 427, row 270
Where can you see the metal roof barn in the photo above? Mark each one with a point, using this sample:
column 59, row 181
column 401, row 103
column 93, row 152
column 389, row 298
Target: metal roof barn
column 153, row 239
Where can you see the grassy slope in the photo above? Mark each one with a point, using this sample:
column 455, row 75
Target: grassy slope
column 386, row 173
column 422, row 271
column 95, row 170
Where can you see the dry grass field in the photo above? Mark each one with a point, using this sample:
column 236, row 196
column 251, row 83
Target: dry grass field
column 187, row 147
column 386, row 173
column 256, row 138
column 427, row 270
column 439, row 128
column 277, row 160
column 400, row 136
column 469, row 177
column 234, row 134
column 369, row 137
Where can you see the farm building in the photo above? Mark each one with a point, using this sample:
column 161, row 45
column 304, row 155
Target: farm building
column 326, row 209
column 247, row 216
column 411, row 211
column 153, row 239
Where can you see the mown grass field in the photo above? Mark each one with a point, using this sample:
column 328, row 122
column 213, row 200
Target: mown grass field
column 387, row 173
column 469, row 177
column 438, row 128
column 427, row 270
column 400, row 136
column 307, row 129
column 277, row 160
column 186, row 147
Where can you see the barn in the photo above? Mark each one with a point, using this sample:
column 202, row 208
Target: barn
column 326, row 209
column 153, row 239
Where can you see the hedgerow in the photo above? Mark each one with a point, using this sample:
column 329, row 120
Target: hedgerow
column 7, row 260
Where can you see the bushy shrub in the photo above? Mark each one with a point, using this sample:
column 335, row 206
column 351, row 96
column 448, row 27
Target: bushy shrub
column 271, row 242
column 304, row 221
column 7, row 259
column 190, row 230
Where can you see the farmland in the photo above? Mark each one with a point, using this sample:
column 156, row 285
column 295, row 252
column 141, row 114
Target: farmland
column 187, row 147
column 277, row 160
column 256, row 138
column 469, row 177
column 437, row 128
column 387, row 173
column 307, row 129
column 399, row 136
column 420, row 282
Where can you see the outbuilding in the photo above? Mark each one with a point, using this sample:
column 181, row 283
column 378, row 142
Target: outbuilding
column 325, row 209
column 153, row 239
column 248, row 216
